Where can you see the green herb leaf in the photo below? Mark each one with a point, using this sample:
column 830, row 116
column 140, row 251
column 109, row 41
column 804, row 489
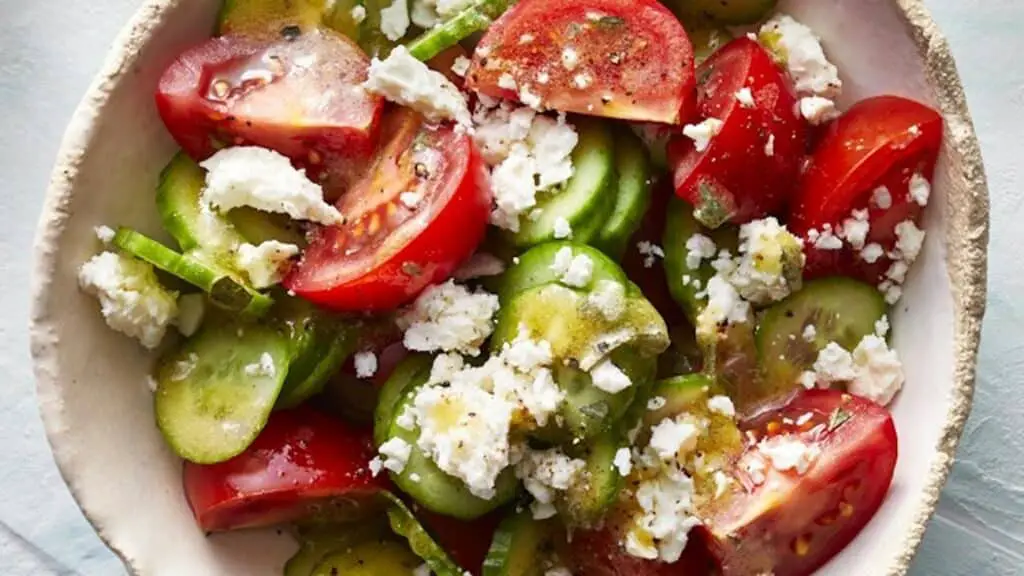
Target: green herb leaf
column 838, row 418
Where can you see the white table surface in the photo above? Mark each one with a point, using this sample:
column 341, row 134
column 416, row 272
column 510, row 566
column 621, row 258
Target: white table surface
column 48, row 54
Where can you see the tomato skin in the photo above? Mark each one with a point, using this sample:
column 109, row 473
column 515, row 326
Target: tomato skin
column 599, row 553
column 449, row 223
column 636, row 56
column 879, row 141
column 300, row 465
column 792, row 524
column 466, row 541
column 736, row 172
column 288, row 114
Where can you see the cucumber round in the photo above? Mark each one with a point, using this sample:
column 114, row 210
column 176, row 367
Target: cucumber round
column 633, row 198
column 680, row 394
column 320, row 345
column 521, row 544
column 370, row 559
column 725, row 12
column 318, row 542
column 474, row 19
column 587, row 499
column 587, row 198
column 259, row 227
column 405, row 524
column 841, row 310
column 186, row 218
column 215, row 392
column 410, row 373
column 534, row 268
column 680, row 226
column 225, row 290
column 263, row 18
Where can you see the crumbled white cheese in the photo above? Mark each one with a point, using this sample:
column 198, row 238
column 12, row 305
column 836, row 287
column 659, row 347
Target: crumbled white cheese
column 882, row 198
column 582, row 81
column 264, row 180
column 920, row 189
column 724, row 307
column 570, row 58
column 461, row 66
column 909, row 240
column 769, row 147
column 608, row 298
column 131, row 298
column 702, row 133
column 789, row 453
column 396, row 454
column 429, row 13
column 879, row 371
column 808, row 379
column 722, row 405
column 872, row 253
column 745, row 97
column 358, row 13
column 805, row 59
column 609, row 378
column 575, row 271
column 545, row 473
column 661, row 531
column 480, row 265
column 834, row 364
column 265, row 265
column 448, row 317
column 650, row 251
column 403, row 79
column 562, row 228
column 856, row 228
column 394, row 20
column 882, row 326
column 366, row 364
column 699, row 248
column 766, row 250
column 810, row 333
column 105, row 234
column 674, row 438
column 623, row 461
column 818, row 110
column 507, row 82
column 530, row 98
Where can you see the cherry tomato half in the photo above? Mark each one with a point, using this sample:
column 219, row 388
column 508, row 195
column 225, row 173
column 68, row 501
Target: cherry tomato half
column 627, row 59
column 419, row 212
column 879, row 142
column 303, row 465
column 749, row 168
column 791, row 523
column 301, row 97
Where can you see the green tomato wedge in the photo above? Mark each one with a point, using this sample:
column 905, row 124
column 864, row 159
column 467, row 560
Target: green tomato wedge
column 225, row 290
column 633, row 197
column 215, row 392
column 521, row 544
column 374, row 558
column 474, row 19
column 405, row 524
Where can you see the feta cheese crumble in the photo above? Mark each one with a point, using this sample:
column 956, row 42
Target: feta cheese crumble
column 265, row 265
column 920, row 189
column 702, row 133
column 882, row 198
column 460, row 67
column 608, row 377
column 546, row 473
column 661, row 531
column 745, row 97
column 770, row 263
column 449, row 318
column 575, row 271
column 562, row 228
column 396, row 454
column 672, row 437
column 818, row 110
column 608, row 298
column 803, row 55
column 725, row 306
column 366, row 364
column 264, row 180
column 105, row 234
column 403, row 79
column 358, row 14
column 699, row 248
column 722, row 405
column 879, row 371
column 650, row 251
column 623, row 461
column 789, row 453
column 394, row 20
column 131, row 298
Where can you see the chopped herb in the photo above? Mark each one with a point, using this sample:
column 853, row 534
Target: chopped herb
column 610, row 22
column 838, row 418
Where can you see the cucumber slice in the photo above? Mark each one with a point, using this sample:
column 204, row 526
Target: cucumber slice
column 351, row 398
column 534, row 268
column 268, row 18
column 319, row 542
column 433, row 488
column 259, row 227
column 726, row 12
column 215, row 392
column 474, row 19
column 841, row 310
column 406, row 525
column 186, row 218
column 371, row 559
column 680, row 226
column 683, row 356
column 633, row 166
column 588, row 197
column 586, row 500
column 521, row 544
column 371, row 39
column 320, row 345
column 224, row 290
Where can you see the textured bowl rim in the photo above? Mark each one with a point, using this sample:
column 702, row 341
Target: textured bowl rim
column 966, row 239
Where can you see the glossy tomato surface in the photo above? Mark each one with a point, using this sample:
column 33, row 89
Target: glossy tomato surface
column 304, row 465
column 301, row 97
column 790, row 523
column 879, row 142
column 627, row 59
column 748, row 169
column 419, row 212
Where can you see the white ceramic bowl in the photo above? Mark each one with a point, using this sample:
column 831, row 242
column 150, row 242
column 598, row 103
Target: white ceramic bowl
column 92, row 382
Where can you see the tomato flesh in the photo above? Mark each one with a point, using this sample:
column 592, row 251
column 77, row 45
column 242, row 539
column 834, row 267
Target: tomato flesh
column 749, row 168
column 628, row 59
column 419, row 212
column 466, row 541
column 301, row 97
column 303, row 465
column 790, row 524
column 881, row 141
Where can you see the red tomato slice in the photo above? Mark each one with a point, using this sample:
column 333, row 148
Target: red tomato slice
column 881, row 141
column 466, row 541
column 301, row 97
column 599, row 553
column 790, row 524
column 627, row 59
column 419, row 212
column 750, row 167
column 303, row 464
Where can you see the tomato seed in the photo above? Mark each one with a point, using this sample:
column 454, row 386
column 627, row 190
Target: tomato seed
column 846, row 509
column 802, row 545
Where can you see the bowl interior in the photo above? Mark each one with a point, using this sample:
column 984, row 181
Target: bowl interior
column 93, row 382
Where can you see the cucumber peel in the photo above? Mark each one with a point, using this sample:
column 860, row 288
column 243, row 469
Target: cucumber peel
column 405, row 524
column 521, row 544
column 474, row 19
column 633, row 194
column 371, row 558
column 318, row 542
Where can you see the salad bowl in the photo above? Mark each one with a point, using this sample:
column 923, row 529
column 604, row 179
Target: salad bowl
column 93, row 384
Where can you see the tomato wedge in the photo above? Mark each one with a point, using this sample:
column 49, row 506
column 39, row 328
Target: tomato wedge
column 749, row 168
column 303, row 465
column 301, row 97
column 627, row 59
column 466, row 541
column 419, row 212
column 790, row 523
column 879, row 142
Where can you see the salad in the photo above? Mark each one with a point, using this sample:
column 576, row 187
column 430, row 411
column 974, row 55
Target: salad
column 544, row 287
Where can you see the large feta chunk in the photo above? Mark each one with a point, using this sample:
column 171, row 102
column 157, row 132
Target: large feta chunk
column 394, row 20
column 879, row 371
column 546, row 473
column 407, row 81
column 449, row 317
column 610, row 378
column 661, row 531
column 724, row 306
column 266, row 264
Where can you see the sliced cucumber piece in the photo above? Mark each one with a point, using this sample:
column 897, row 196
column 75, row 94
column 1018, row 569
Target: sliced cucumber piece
column 587, row 499
column 535, row 268
column 587, row 198
column 792, row 332
column 727, row 12
column 259, row 227
column 224, row 290
column 353, row 399
column 320, row 345
column 474, row 19
column 371, row 39
column 521, row 544
column 406, row 525
column 215, row 392
column 633, row 198
column 186, row 218
column 372, row 558
column 680, row 226
column 410, row 373
column 319, row 542
column 263, row 18
column 683, row 356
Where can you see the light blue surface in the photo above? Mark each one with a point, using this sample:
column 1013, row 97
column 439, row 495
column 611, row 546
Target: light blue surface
column 49, row 52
